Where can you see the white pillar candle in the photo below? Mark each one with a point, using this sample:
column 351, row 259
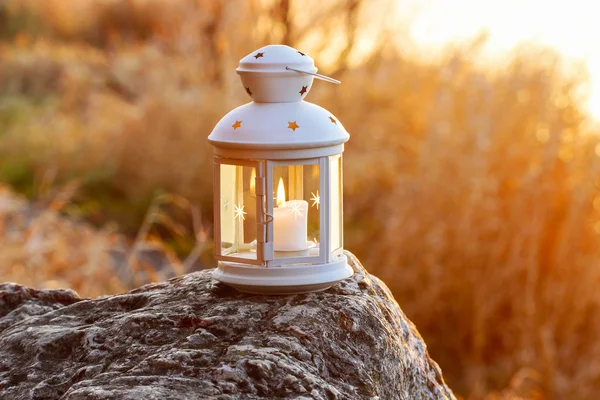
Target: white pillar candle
column 290, row 221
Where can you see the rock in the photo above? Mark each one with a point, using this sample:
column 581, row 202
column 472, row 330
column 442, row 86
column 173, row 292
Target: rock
column 194, row 338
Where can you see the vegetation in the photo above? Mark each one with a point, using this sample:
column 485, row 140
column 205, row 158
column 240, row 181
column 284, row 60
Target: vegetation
column 473, row 192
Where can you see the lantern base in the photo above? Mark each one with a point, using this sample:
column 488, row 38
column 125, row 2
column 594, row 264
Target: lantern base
column 292, row 279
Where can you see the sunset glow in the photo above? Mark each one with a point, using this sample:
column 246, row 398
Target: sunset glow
column 570, row 27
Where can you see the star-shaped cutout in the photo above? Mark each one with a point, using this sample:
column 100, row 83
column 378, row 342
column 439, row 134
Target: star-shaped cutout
column 301, row 53
column 248, row 91
column 293, row 125
column 295, row 209
column 239, row 212
column 238, row 124
column 259, row 55
column 332, row 120
column 316, row 199
column 303, row 90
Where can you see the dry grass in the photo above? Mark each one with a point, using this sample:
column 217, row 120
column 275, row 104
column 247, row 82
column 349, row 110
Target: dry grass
column 488, row 231
column 41, row 249
column 473, row 193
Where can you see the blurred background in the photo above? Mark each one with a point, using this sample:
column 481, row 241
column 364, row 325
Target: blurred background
column 472, row 183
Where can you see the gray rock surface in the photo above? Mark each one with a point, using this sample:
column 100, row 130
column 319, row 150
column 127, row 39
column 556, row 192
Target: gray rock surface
column 194, row 338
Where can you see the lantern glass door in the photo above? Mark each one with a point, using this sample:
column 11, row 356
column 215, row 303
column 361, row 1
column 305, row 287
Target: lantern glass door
column 238, row 211
column 297, row 211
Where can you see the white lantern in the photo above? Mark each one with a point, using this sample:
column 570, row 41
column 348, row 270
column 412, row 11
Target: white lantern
column 278, row 181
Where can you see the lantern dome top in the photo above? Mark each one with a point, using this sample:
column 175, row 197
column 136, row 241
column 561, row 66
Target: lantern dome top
column 292, row 125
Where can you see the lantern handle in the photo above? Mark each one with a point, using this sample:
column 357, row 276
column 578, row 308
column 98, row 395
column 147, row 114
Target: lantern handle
column 318, row 76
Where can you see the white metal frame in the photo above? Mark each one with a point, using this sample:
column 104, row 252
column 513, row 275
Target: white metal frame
column 335, row 253
column 265, row 253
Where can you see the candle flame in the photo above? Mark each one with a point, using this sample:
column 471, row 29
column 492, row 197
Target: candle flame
column 253, row 182
column 280, row 193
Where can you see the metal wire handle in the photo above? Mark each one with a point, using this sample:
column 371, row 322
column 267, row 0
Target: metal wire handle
column 318, row 76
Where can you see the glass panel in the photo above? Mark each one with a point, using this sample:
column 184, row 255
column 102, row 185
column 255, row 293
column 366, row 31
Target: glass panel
column 238, row 211
column 313, row 196
column 335, row 220
column 296, row 211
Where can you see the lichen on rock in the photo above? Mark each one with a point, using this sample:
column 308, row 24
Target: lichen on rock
column 194, row 338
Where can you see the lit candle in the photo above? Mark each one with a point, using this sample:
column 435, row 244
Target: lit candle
column 289, row 222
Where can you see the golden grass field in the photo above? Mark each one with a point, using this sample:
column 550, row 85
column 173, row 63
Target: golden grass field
column 473, row 193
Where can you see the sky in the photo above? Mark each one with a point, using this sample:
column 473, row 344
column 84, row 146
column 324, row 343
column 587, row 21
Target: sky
column 570, row 27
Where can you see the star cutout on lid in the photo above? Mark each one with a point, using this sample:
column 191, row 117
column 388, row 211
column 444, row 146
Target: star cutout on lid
column 259, row 55
column 332, row 120
column 248, row 91
column 303, row 90
column 301, row 53
column 238, row 124
column 293, row 125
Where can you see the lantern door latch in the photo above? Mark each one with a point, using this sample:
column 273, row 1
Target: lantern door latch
column 263, row 217
column 264, row 248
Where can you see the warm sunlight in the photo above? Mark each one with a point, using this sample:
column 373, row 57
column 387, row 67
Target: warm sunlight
column 571, row 27
column 467, row 204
